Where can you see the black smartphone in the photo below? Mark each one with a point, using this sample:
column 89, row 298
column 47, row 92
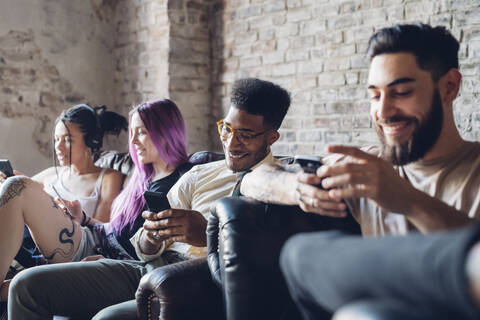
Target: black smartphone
column 6, row 167
column 156, row 201
column 309, row 164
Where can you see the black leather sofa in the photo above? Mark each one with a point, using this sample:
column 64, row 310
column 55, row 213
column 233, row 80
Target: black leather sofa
column 241, row 278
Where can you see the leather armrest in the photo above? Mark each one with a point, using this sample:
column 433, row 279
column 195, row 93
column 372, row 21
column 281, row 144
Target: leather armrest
column 244, row 239
column 181, row 290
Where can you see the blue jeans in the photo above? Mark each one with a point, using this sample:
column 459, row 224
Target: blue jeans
column 326, row 271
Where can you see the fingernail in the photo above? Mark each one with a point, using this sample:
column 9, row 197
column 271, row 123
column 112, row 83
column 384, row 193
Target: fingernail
column 321, row 170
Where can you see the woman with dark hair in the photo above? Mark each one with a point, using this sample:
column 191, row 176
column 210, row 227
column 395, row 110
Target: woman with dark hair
column 158, row 150
column 78, row 138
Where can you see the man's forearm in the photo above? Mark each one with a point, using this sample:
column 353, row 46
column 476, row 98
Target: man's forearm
column 429, row 214
column 271, row 183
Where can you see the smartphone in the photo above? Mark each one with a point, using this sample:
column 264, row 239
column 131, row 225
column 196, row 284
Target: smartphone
column 309, row 164
column 63, row 202
column 156, row 201
column 6, row 167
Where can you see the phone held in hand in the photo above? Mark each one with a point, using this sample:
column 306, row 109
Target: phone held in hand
column 62, row 201
column 156, row 201
column 309, row 164
column 6, row 167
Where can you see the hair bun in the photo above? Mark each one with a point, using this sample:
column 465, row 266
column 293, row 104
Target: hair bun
column 100, row 110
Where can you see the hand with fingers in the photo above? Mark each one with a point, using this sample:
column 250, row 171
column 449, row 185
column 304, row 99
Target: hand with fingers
column 3, row 177
column 71, row 208
column 93, row 258
column 313, row 198
column 177, row 225
column 367, row 176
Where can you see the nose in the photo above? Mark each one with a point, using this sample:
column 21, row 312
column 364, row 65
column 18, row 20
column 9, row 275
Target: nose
column 134, row 138
column 385, row 107
column 60, row 145
column 233, row 141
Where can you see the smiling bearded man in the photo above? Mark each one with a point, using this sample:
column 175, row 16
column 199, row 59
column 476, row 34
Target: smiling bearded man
column 424, row 136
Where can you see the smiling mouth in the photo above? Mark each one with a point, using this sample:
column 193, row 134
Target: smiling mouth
column 237, row 155
column 397, row 129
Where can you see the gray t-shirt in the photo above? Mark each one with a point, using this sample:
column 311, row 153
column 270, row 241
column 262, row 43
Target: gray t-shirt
column 454, row 179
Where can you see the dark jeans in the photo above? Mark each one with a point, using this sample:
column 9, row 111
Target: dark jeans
column 426, row 273
column 103, row 289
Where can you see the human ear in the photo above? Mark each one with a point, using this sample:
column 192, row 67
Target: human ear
column 449, row 85
column 273, row 136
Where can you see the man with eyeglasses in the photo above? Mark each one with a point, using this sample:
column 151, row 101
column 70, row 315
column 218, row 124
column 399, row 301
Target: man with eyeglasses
column 247, row 132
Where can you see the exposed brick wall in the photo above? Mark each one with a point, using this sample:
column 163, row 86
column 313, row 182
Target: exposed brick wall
column 119, row 52
column 189, row 67
column 140, row 52
column 53, row 54
column 162, row 49
column 315, row 48
column 31, row 86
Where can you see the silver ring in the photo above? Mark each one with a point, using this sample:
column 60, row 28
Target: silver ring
column 156, row 236
column 312, row 202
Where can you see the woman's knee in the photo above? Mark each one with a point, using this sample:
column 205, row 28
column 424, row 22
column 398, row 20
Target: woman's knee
column 14, row 188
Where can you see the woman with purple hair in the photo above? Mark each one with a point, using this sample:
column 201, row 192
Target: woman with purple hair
column 158, row 150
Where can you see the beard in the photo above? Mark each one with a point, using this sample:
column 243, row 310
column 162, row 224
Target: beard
column 423, row 137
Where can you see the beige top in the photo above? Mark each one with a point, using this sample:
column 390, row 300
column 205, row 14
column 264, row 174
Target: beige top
column 454, row 179
column 198, row 189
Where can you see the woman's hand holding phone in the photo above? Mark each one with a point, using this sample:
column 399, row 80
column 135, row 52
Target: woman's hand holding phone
column 71, row 208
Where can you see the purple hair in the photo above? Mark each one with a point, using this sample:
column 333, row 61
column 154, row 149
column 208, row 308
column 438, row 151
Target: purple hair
column 166, row 128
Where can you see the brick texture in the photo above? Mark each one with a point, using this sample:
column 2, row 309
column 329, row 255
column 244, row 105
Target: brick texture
column 124, row 52
column 316, row 50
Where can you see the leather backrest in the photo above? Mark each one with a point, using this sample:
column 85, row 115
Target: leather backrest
column 122, row 162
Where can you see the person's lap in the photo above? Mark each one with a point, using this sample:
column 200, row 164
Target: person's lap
column 331, row 270
column 73, row 289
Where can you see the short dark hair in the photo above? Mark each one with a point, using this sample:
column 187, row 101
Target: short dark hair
column 263, row 98
column 435, row 48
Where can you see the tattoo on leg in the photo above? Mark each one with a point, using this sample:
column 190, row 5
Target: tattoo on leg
column 12, row 188
column 68, row 239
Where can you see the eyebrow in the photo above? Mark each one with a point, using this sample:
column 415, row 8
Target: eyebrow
column 241, row 129
column 395, row 82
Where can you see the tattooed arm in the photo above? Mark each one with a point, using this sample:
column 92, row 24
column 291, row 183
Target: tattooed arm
column 272, row 183
column 288, row 184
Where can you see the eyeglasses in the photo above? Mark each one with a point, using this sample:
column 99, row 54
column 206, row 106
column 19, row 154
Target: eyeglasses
column 226, row 132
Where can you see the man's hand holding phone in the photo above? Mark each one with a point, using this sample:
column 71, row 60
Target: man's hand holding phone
column 309, row 193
